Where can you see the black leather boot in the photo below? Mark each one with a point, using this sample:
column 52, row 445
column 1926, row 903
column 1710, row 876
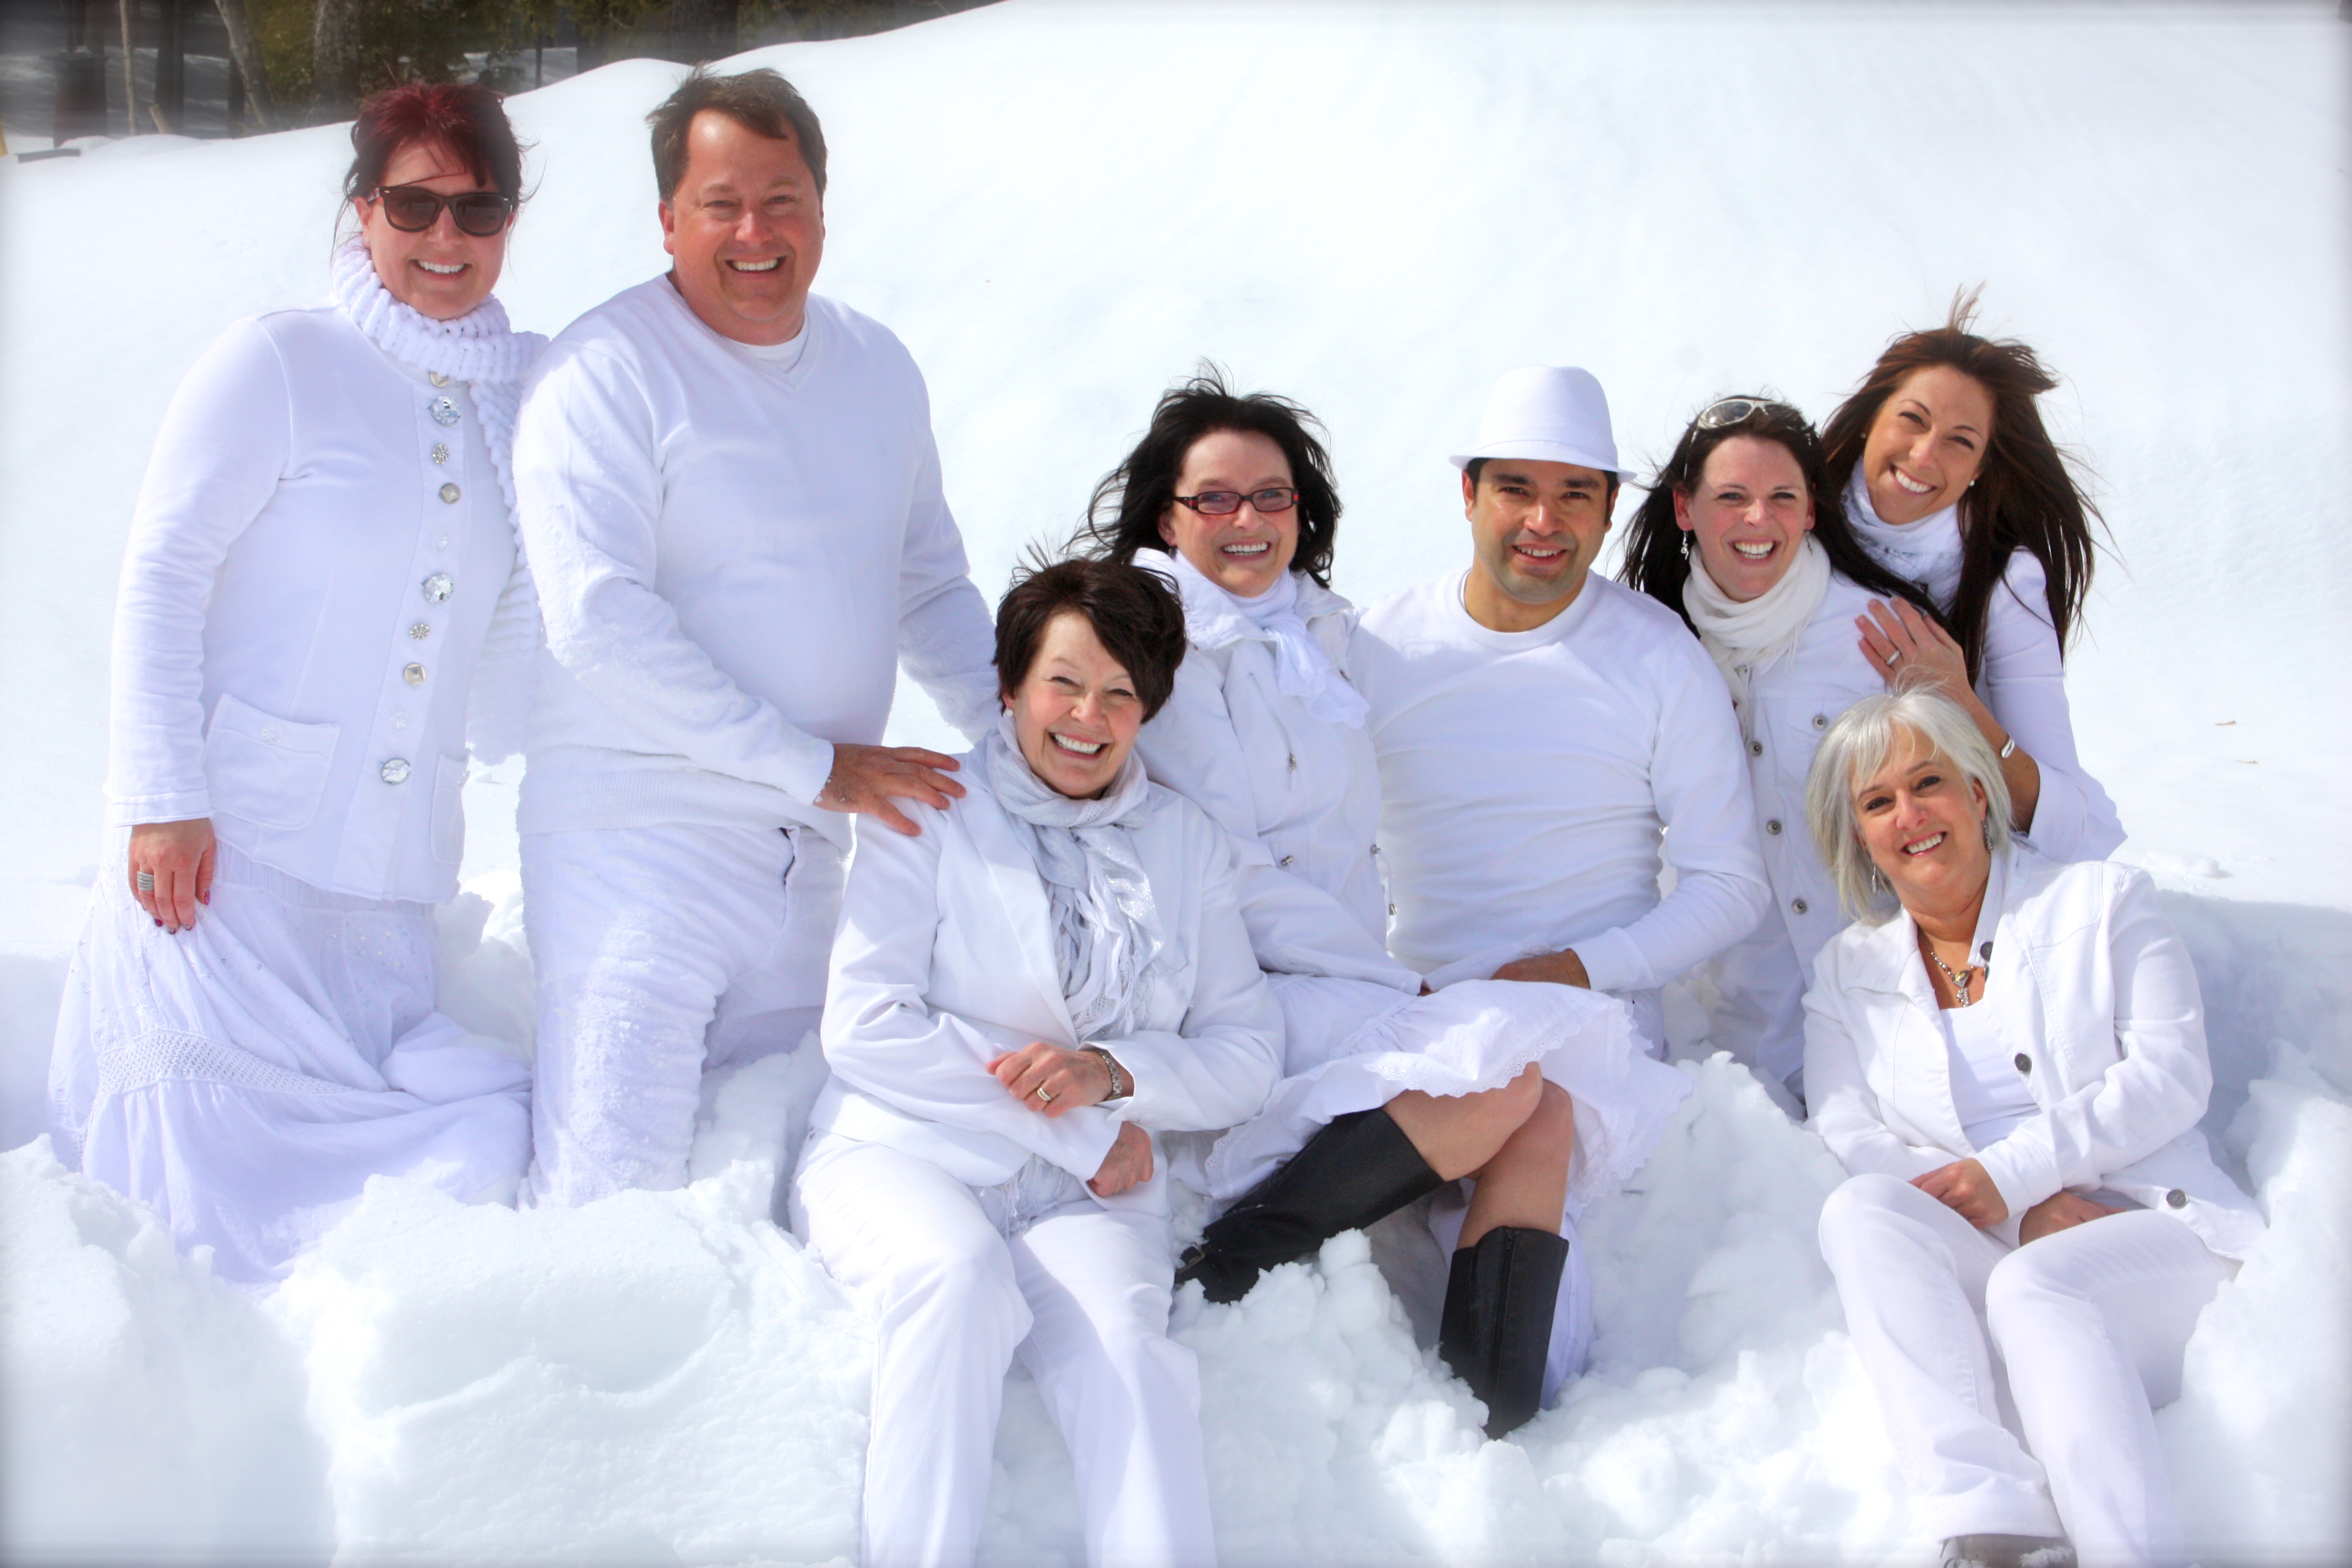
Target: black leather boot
column 1496, row 1328
column 1356, row 1168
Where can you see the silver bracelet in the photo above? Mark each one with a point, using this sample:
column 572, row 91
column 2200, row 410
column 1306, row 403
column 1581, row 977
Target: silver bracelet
column 1121, row 1086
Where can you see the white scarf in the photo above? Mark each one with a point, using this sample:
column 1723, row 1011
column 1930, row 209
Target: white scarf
column 1927, row 552
column 1214, row 617
column 480, row 350
column 1106, row 923
column 1742, row 638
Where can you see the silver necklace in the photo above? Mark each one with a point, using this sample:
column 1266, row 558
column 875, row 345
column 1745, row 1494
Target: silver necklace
column 1959, row 981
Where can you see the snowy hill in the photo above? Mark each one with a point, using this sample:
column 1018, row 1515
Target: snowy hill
column 1371, row 207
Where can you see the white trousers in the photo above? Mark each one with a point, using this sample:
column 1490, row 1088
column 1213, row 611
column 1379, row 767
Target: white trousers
column 2090, row 1323
column 1081, row 1294
column 659, row 951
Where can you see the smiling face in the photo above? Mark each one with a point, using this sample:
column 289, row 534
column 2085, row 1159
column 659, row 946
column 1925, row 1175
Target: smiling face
column 1749, row 513
column 439, row 272
column 1247, row 552
column 1536, row 529
column 1076, row 712
column 1925, row 445
column 747, row 230
column 1923, row 825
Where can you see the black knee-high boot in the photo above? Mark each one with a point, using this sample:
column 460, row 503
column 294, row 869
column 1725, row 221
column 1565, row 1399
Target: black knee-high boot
column 1496, row 1328
column 1356, row 1168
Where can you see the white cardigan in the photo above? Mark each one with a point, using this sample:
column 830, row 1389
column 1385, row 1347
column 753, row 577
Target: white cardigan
column 2024, row 681
column 945, row 958
column 2096, row 996
column 1301, row 796
column 302, row 603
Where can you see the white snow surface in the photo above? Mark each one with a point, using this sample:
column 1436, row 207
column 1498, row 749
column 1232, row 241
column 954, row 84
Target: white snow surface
column 1373, row 208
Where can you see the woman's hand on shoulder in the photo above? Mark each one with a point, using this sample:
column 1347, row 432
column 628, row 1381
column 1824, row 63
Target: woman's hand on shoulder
column 1903, row 644
column 177, row 857
column 1966, row 1188
column 2062, row 1210
column 1128, row 1165
column 1050, row 1080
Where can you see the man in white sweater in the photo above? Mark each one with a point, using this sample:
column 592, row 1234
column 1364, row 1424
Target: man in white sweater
column 1539, row 728
column 730, row 501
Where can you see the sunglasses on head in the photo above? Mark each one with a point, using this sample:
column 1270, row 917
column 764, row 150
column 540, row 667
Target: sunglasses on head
column 1739, row 410
column 412, row 209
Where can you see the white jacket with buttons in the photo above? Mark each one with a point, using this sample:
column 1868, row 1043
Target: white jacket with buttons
column 2094, row 993
column 318, row 548
column 1300, row 795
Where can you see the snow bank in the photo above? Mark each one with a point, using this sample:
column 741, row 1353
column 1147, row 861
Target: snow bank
column 1372, row 207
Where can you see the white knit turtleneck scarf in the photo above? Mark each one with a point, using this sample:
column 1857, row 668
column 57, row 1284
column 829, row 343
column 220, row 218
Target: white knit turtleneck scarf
column 1106, row 929
column 1927, row 552
column 1214, row 617
column 1742, row 638
column 491, row 359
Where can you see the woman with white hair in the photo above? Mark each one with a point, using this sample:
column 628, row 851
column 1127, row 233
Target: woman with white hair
column 1022, row 997
column 2009, row 1056
column 321, row 606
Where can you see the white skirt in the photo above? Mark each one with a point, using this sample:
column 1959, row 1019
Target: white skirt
column 1351, row 1044
column 246, row 1077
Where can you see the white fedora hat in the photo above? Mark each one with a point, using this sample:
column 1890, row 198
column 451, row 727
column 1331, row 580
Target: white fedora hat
column 1550, row 413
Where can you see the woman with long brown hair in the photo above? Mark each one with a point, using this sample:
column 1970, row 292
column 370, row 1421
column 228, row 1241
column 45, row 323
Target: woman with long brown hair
column 1953, row 484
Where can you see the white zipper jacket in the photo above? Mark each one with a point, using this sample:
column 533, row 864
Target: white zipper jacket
column 945, row 960
column 2094, row 993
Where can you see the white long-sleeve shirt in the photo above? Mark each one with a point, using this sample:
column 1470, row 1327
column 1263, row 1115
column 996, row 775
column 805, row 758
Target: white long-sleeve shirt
column 311, row 569
column 1525, row 779
column 734, row 550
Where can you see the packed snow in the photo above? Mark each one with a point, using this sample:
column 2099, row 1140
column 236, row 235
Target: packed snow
column 1374, row 208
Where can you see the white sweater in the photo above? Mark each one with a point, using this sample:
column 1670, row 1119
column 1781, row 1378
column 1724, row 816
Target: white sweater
column 733, row 555
column 301, row 609
column 1527, row 777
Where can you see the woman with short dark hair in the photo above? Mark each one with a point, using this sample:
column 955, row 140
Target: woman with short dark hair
column 1742, row 536
column 1023, row 995
column 1514, row 1103
column 2008, row 1055
column 1954, row 485
column 321, row 606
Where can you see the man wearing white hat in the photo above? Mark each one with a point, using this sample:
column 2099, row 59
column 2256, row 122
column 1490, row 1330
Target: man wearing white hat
column 1544, row 735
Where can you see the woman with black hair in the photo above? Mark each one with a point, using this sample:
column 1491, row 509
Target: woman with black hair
column 1515, row 1102
column 1953, row 485
column 1740, row 538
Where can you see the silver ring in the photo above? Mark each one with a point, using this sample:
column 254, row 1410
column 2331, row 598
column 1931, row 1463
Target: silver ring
column 1894, row 657
column 1044, row 1095
column 146, row 881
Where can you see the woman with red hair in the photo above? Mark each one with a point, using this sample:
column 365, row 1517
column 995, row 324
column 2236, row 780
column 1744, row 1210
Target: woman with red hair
column 321, row 606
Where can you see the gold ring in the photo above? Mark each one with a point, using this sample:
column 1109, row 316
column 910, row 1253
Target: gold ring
column 1043, row 1095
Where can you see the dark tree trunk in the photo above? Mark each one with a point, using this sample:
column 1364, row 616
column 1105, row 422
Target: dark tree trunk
column 335, row 61
column 172, row 66
column 130, row 69
column 701, row 29
column 245, row 53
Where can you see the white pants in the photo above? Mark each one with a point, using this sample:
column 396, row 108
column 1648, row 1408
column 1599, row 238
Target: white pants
column 1082, row 1294
column 1760, row 1017
column 2090, row 1322
column 661, row 951
column 248, row 1077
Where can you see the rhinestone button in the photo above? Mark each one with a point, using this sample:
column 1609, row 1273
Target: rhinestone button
column 436, row 378
column 1773, row 828
column 1755, row 748
column 420, row 631
column 443, row 411
column 394, row 771
column 414, row 674
column 1798, row 905
column 440, row 451
column 449, row 494
column 437, row 587
column 2176, row 1199
column 2024, row 1062
column 1820, row 721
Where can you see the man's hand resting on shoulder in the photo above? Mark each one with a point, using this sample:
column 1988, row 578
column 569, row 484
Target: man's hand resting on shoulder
column 866, row 778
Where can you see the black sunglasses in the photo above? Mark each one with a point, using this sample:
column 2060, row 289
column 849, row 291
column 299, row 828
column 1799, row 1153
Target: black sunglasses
column 412, row 209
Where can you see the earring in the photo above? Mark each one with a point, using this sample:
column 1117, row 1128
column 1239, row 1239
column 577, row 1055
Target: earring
column 1877, row 879
column 1988, row 830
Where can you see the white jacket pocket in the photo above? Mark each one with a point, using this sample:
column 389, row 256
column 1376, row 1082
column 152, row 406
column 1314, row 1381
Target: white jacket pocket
column 265, row 770
column 449, row 811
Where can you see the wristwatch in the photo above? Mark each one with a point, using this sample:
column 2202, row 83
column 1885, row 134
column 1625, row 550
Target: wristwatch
column 1121, row 1086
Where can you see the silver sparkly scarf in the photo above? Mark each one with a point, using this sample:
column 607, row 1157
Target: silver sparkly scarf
column 1106, row 923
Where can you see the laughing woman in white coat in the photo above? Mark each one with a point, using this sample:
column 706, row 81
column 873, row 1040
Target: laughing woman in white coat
column 1516, row 1103
column 1023, row 995
column 2009, row 1056
column 1741, row 538
column 1953, row 484
column 321, row 583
